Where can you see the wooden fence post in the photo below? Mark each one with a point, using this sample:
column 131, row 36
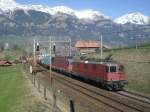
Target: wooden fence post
column 45, row 93
column 39, row 85
column 34, row 79
column 72, row 106
column 54, row 101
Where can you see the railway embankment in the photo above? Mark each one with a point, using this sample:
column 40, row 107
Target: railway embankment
column 67, row 94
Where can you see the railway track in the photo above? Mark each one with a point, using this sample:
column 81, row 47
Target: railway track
column 138, row 94
column 117, row 102
column 114, row 103
column 135, row 96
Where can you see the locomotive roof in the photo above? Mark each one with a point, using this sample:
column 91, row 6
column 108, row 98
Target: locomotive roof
column 108, row 62
column 103, row 62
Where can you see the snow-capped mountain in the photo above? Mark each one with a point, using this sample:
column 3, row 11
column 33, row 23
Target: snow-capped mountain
column 7, row 5
column 133, row 18
column 11, row 5
column 90, row 14
column 38, row 20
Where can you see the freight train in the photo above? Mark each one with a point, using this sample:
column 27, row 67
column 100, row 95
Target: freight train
column 108, row 74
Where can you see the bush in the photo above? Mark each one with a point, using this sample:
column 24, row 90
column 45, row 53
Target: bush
column 7, row 58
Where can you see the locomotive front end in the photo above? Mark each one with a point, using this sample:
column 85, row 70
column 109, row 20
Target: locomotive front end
column 115, row 76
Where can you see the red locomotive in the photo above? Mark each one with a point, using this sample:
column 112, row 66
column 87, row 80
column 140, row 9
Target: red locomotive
column 108, row 74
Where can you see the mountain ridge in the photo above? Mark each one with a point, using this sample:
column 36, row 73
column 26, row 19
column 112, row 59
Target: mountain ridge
column 38, row 20
column 81, row 14
column 133, row 18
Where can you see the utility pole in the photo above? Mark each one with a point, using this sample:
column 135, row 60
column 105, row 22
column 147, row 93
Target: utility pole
column 136, row 46
column 50, row 59
column 70, row 47
column 101, row 47
column 34, row 53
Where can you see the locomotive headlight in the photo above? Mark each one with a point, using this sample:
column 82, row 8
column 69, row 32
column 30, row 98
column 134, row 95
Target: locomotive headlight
column 86, row 62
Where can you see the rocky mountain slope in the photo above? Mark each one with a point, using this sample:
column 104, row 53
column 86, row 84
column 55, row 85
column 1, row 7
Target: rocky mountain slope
column 43, row 21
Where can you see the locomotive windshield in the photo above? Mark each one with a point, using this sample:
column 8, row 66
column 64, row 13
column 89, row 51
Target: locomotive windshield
column 111, row 69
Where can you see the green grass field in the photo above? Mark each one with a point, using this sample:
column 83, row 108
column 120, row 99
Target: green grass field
column 16, row 92
column 12, row 88
column 137, row 66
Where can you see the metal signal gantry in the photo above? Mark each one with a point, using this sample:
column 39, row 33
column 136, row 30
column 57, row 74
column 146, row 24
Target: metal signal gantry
column 51, row 44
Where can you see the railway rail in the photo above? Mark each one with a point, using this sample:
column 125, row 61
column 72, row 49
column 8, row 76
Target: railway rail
column 135, row 96
column 106, row 97
column 112, row 101
column 138, row 94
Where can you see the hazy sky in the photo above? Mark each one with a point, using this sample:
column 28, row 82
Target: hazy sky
column 112, row 8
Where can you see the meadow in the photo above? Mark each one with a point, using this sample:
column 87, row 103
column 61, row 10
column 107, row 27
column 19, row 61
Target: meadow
column 17, row 94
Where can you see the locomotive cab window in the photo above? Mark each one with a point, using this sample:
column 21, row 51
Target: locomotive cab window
column 110, row 69
column 107, row 69
column 113, row 69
